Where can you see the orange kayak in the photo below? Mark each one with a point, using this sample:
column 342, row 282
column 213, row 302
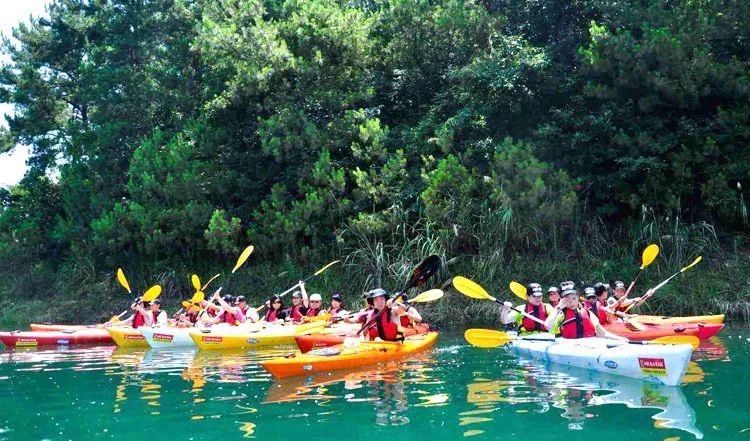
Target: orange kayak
column 663, row 320
column 655, row 331
column 345, row 356
column 55, row 338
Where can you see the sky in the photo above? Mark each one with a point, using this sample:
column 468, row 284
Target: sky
column 13, row 164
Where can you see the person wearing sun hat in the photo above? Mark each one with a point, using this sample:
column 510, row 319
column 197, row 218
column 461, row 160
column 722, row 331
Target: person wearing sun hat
column 571, row 320
column 316, row 306
column 534, row 307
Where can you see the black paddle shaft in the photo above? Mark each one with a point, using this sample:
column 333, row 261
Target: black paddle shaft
column 419, row 277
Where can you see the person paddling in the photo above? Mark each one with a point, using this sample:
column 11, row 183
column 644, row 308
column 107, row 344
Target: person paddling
column 534, row 307
column 153, row 316
column 571, row 320
column 275, row 310
column 138, row 318
column 337, row 307
column 300, row 304
column 386, row 325
column 622, row 303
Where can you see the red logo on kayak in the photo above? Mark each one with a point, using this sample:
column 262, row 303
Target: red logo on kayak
column 163, row 337
column 655, row 366
column 133, row 337
column 209, row 339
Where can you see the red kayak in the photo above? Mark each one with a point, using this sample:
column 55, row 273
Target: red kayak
column 47, row 327
column 655, row 331
column 307, row 343
column 55, row 338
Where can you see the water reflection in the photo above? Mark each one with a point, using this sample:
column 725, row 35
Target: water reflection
column 209, row 385
column 576, row 392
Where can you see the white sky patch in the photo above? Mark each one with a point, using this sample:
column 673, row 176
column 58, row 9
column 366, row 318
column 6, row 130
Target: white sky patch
column 13, row 163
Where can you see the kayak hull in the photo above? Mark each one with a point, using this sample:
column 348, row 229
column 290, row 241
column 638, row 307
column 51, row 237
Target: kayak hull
column 55, row 338
column 662, row 364
column 656, row 331
column 717, row 319
column 343, row 357
column 331, row 337
column 38, row 327
column 307, row 343
column 127, row 337
column 167, row 337
column 242, row 337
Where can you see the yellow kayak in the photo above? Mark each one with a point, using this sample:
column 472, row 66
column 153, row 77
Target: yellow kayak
column 255, row 335
column 127, row 337
column 661, row 320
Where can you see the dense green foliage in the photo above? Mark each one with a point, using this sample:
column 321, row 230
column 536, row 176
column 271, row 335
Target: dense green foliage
column 518, row 139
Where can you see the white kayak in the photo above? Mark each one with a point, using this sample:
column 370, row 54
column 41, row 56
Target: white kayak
column 658, row 363
column 167, row 337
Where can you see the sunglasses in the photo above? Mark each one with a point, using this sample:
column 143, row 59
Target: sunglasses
column 314, row 301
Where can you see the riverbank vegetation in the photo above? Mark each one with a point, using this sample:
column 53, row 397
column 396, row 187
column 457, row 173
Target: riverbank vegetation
column 520, row 140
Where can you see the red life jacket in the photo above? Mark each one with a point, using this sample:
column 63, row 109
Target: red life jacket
column 539, row 312
column 138, row 320
column 384, row 327
column 244, row 310
column 333, row 311
column 229, row 318
column 270, row 315
column 595, row 308
column 577, row 325
column 405, row 321
column 312, row 312
column 601, row 313
column 294, row 313
column 192, row 317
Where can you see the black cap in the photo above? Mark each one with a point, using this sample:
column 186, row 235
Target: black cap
column 337, row 297
column 241, row 299
column 377, row 292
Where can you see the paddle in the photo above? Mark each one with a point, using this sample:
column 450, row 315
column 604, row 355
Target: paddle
column 647, row 257
column 196, row 281
column 487, row 338
column 469, row 288
column 315, row 274
column 419, row 277
column 427, row 296
column 240, row 261
column 519, row 290
column 653, row 290
column 124, row 283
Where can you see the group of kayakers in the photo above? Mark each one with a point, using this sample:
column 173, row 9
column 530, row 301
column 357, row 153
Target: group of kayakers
column 381, row 318
column 565, row 315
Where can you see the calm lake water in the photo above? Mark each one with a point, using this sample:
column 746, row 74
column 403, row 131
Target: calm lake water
column 454, row 391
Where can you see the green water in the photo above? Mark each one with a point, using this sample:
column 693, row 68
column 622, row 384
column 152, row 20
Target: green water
column 451, row 392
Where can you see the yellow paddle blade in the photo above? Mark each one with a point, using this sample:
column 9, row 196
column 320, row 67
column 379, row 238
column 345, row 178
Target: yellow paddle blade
column 123, row 281
column 678, row 340
column 243, row 257
column 198, row 297
column 196, row 281
column 151, row 294
column 519, row 290
column 469, row 288
column 209, row 282
column 428, row 296
column 634, row 324
column 307, row 328
column 326, row 267
column 486, row 338
column 186, row 304
column 114, row 319
column 695, row 262
column 649, row 254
